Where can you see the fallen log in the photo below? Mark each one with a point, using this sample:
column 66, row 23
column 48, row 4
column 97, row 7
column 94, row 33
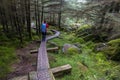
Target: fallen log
column 49, row 49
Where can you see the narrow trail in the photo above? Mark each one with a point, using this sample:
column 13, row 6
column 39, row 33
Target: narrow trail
column 43, row 68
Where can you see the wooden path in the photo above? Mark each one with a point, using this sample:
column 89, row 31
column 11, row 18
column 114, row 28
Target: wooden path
column 43, row 68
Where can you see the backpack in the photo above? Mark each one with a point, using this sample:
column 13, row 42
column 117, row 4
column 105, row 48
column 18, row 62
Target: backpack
column 47, row 26
column 43, row 28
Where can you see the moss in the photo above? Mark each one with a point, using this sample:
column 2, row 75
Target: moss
column 80, row 40
column 49, row 32
column 72, row 50
column 90, row 44
column 98, row 67
column 84, row 27
column 36, row 38
column 113, row 49
column 3, row 37
column 7, row 57
column 116, row 41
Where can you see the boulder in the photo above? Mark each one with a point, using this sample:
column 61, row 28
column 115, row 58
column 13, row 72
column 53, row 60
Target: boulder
column 113, row 49
column 69, row 48
column 100, row 46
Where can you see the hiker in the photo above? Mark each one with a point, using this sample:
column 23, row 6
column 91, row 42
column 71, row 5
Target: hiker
column 33, row 24
column 43, row 30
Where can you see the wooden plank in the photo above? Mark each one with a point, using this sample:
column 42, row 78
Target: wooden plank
column 52, row 49
column 49, row 49
column 43, row 72
column 61, row 70
column 34, row 51
column 56, row 35
column 58, row 71
column 43, row 64
column 20, row 78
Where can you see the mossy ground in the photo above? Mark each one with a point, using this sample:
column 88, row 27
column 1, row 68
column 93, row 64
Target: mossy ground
column 8, row 54
column 87, row 65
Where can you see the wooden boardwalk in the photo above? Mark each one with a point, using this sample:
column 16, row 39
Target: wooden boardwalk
column 43, row 68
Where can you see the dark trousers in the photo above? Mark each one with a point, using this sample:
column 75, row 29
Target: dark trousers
column 43, row 36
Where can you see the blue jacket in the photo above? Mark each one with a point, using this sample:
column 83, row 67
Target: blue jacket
column 43, row 27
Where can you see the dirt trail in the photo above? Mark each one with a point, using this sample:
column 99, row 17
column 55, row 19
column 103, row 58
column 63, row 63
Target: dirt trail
column 25, row 61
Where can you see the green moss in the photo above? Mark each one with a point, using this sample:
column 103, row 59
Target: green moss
column 116, row 41
column 113, row 49
column 49, row 32
column 7, row 57
column 72, row 51
column 3, row 37
column 36, row 37
column 84, row 27
column 80, row 40
column 98, row 67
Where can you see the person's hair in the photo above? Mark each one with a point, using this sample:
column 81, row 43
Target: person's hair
column 44, row 21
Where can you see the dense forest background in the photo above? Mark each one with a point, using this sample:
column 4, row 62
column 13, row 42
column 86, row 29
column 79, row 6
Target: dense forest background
column 95, row 23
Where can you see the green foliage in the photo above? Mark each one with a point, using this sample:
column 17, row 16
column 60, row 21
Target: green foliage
column 80, row 40
column 90, row 44
column 64, row 38
column 72, row 51
column 114, row 42
column 7, row 53
column 7, row 57
column 84, row 27
column 49, row 32
column 113, row 49
column 3, row 37
column 97, row 65
column 36, row 37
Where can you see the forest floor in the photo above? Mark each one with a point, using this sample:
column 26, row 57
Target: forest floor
column 25, row 61
column 87, row 65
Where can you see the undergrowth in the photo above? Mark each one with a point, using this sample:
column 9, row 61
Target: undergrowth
column 7, row 52
column 87, row 65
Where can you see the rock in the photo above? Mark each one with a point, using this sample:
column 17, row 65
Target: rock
column 113, row 50
column 69, row 48
column 100, row 46
column 78, row 45
column 32, row 75
column 114, row 36
column 82, row 67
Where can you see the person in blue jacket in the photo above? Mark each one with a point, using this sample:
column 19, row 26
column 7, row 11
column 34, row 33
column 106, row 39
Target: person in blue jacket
column 43, row 30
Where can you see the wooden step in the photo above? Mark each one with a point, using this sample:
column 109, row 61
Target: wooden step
column 57, row 71
column 20, row 78
column 32, row 75
column 49, row 49
column 61, row 70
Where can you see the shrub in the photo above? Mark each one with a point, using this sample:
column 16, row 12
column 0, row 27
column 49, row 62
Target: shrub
column 113, row 49
column 7, row 57
column 84, row 27
column 72, row 50
column 80, row 40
